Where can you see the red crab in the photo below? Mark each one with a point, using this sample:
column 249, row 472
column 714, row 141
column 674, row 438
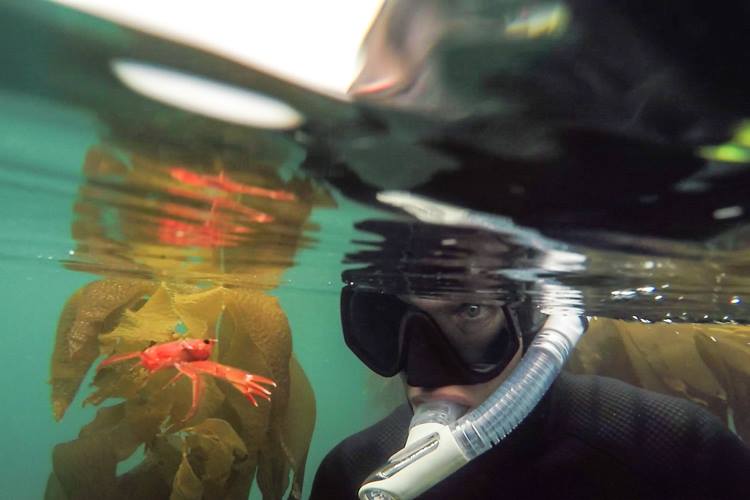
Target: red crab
column 190, row 358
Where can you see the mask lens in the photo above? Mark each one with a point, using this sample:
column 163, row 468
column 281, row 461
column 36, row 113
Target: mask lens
column 371, row 324
column 481, row 335
column 475, row 340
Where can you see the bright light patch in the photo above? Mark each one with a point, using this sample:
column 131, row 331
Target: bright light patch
column 729, row 153
column 206, row 97
column 311, row 43
column 538, row 22
column 728, row 212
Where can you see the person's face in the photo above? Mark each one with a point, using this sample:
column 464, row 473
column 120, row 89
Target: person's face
column 472, row 325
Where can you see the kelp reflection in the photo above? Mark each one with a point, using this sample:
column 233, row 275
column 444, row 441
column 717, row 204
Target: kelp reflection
column 187, row 251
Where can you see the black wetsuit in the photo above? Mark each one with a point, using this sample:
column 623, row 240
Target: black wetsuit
column 590, row 438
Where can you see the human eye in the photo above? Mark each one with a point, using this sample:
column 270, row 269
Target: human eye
column 477, row 318
column 472, row 311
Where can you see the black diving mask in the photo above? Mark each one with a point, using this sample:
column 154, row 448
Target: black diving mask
column 433, row 341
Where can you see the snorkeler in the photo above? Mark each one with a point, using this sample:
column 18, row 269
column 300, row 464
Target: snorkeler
column 459, row 352
column 489, row 412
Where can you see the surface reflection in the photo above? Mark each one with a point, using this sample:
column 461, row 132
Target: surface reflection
column 137, row 214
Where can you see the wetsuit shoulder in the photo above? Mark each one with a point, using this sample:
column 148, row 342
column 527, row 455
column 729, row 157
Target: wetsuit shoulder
column 346, row 466
column 671, row 443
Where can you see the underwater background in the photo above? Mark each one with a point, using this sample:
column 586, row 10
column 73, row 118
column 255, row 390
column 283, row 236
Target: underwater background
column 49, row 143
column 44, row 143
column 102, row 185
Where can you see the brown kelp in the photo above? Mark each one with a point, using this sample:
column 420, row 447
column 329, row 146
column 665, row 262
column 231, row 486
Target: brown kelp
column 704, row 363
column 186, row 251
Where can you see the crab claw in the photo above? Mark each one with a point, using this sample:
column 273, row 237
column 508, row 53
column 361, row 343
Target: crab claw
column 250, row 387
column 247, row 383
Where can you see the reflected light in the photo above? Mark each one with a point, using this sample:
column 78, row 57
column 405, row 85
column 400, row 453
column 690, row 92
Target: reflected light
column 728, row 212
column 539, row 21
column 206, row 97
column 311, row 43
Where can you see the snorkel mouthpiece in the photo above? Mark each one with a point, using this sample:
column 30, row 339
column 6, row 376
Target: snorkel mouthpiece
column 430, row 454
column 436, row 412
column 438, row 444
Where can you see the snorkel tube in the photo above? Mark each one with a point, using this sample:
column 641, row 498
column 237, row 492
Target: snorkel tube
column 439, row 443
column 437, row 447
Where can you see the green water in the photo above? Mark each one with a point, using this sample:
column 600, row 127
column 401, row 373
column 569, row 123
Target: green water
column 58, row 100
column 43, row 143
column 42, row 147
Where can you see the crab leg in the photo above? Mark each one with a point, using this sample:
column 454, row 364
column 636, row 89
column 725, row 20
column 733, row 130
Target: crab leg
column 173, row 379
column 117, row 358
column 247, row 383
column 198, row 386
